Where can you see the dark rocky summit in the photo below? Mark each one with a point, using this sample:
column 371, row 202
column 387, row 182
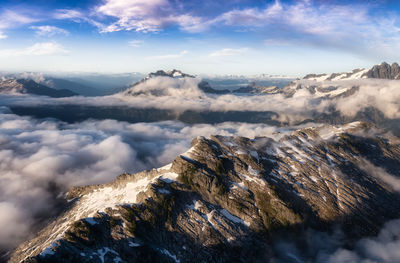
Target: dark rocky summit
column 384, row 71
column 228, row 198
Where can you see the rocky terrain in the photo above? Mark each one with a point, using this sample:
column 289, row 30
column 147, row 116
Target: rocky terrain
column 382, row 71
column 228, row 198
column 28, row 86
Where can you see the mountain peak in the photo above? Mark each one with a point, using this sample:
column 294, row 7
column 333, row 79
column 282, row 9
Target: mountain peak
column 175, row 73
column 384, row 71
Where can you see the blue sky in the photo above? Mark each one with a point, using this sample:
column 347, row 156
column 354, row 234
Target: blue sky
column 200, row 37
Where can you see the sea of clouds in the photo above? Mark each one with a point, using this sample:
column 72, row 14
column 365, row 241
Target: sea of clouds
column 41, row 159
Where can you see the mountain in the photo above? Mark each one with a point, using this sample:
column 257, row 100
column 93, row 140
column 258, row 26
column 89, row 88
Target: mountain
column 78, row 88
column 382, row 71
column 142, row 87
column 28, row 86
column 254, row 88
column 229, row 199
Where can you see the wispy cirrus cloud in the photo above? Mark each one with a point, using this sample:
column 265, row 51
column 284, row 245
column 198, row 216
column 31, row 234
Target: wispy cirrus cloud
column 49, row 30
column 227, row 52
column 135, row 43
column 2, row 35
column 170, row 56
column 38, row 49
column 10, row 19
column 351, row 27
column 77, row 16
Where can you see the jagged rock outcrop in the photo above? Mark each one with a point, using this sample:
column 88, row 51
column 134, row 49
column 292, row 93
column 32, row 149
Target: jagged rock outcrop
column 227, row 198
column 28, row 86
column 384, row 71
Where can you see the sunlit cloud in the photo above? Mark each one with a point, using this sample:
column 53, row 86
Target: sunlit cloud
column 145, row 16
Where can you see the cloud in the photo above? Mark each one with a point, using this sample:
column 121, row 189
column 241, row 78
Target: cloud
column 169, row 56
column 145, row 16
column 49, row 30
column 2, row 35
column 77, row 16
column 41, row 159
column 181, row 94
column 38, row 49
column 350, row 27
column 136, row 43
column 384, row 248
column 10, row 19
column 228, row 52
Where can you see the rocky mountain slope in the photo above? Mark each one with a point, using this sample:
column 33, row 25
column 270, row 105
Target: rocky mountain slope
column 227, row 198
column 382, row 71
column 28, row 86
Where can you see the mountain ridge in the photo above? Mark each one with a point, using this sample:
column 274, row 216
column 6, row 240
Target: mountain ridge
column 225, row 198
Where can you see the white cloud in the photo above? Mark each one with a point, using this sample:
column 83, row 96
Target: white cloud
column 9, row 19
column 136, row 43
column 49, row 30
column 68, row 14
column 2, row 35
column 145, row 16
column 170, row 56
column 228, row 52
column 38, row 49
column 77, row 16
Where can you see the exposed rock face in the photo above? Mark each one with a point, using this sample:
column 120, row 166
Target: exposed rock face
column 27, row 86
column 226, row 199
column 384, row 71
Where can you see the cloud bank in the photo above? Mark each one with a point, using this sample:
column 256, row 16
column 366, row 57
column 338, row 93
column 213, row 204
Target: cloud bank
column 308, row 99
column 41, row 159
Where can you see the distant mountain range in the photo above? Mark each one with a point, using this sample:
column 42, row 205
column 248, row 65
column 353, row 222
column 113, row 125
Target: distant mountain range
column 28, row 86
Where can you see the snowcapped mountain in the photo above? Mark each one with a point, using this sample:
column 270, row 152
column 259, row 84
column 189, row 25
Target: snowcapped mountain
column 171, row 83
column 382, row 71
column 337, row 85
column 227, row 198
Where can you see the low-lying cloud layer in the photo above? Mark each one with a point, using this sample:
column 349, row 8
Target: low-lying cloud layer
column 40, row 159
column 182, row 94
